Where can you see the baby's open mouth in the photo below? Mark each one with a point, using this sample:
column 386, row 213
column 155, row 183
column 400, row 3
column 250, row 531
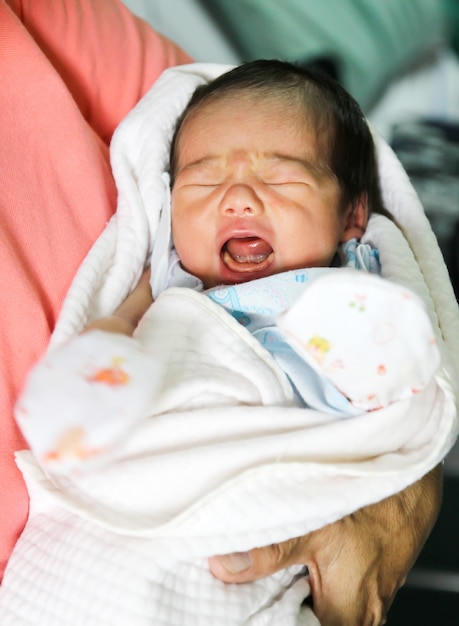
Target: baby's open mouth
column 247, row 254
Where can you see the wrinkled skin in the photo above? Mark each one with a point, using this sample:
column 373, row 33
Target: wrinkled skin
column 357, row 564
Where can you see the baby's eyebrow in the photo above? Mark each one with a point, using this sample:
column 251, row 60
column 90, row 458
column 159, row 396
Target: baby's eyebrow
column 316, row 168
column 202, row 163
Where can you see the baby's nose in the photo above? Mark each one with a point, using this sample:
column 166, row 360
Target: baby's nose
column 241, row 200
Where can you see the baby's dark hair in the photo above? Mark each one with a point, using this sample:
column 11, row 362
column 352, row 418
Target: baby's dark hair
column 341, row 128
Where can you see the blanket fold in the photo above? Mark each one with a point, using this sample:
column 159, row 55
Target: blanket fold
column 205, row 472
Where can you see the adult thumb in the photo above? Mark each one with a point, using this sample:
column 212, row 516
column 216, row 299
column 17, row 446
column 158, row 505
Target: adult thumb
column 242, row 567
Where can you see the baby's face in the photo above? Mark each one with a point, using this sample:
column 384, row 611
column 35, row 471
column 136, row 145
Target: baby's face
column 250, row 197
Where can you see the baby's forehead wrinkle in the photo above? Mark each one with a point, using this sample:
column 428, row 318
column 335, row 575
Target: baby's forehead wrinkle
column 312, row 165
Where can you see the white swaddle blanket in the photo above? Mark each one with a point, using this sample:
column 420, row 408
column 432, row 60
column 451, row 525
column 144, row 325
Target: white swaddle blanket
column 127, row 543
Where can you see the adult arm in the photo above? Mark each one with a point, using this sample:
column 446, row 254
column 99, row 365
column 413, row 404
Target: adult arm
column 107, row 57
column 357, row 564
column 70, row 70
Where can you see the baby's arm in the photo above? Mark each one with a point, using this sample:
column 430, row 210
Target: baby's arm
column 86, row 395
column 127, row 316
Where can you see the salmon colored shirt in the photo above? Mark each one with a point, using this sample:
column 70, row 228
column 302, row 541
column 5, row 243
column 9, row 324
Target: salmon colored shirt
column 70, row 70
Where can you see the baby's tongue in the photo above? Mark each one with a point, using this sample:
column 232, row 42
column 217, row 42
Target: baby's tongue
column 248, row 249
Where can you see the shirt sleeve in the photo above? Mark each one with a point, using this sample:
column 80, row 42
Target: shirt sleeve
column 107, row 57
column 70, row 71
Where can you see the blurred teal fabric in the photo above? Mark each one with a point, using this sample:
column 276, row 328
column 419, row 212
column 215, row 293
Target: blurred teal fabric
column 370, row 41
column 452, row 16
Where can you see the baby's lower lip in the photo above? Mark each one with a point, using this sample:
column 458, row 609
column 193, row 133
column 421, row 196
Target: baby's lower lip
column 247, row 267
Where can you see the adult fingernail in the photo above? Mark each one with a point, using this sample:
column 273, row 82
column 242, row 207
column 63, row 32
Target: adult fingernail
column 236, row 562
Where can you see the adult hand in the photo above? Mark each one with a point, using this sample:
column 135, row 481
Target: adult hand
column 357, row 564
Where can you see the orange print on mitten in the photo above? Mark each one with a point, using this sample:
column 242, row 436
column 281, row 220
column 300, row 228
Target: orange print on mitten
column 70, row 445
column 111, row 376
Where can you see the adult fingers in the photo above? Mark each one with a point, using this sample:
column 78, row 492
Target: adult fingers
column 242, row 567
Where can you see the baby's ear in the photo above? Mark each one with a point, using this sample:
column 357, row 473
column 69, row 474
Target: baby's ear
column 356, row 219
